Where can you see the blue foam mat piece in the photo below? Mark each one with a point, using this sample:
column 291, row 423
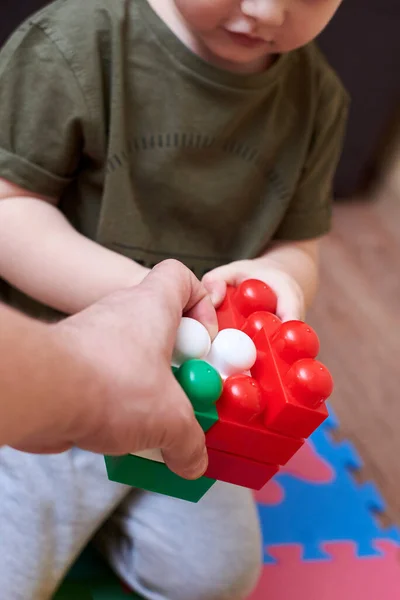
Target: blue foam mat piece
column 314, row 513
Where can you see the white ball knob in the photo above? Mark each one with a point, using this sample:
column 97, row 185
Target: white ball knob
column 192, row 341
column 232, row 352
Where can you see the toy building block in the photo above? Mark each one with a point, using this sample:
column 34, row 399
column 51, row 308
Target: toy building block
column 192, row 341
column 239, row 470
column 109, row 589
column 146, row 470
column 91, row 578
column 203, row 386
column 75, row 590
column 257, row 391
column 294, row 384
column 112, row 590
column 239, row 303
column 265, row 415
column 155, row 476
column 252, row 440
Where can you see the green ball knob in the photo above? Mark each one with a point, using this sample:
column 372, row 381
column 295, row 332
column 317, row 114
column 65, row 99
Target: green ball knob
column 201, row 383
column 175, row 371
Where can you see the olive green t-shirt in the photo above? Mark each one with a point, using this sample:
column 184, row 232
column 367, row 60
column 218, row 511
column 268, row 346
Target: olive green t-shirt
column 155, row 153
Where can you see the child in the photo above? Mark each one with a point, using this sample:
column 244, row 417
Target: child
column 133, row 131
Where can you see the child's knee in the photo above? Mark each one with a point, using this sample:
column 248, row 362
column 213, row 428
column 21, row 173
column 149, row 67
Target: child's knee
column 171, row 549
column 222, row 562
column 223, row 574
column 230, row 577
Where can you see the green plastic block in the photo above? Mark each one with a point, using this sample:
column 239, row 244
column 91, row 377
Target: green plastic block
column 201, row 383
column 91, row 578
column 155, row 477
column 111, row 590
column 73, row 590
column 207, row 418
column 90, row 566
column 203, row 386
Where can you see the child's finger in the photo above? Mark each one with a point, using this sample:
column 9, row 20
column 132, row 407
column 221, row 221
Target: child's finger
column 216, row 288
column 231, row 274
column 290, row 306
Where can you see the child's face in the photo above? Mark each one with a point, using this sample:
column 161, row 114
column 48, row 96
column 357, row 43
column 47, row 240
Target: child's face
column 245, row 32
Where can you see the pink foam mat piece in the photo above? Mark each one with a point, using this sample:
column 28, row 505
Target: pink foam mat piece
column 307, row 465
column 342, row 577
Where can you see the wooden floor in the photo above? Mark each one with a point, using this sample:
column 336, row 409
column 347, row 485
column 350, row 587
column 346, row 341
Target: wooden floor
column 357, row 317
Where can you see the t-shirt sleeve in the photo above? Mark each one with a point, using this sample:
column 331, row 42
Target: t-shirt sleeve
column 41, row 113
column 310, row 210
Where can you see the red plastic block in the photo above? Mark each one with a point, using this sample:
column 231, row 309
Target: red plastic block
column 265, row 417
column 287, row 385
column 249, row 297
column 294, row 385
column 252, row 440
column 238, row 470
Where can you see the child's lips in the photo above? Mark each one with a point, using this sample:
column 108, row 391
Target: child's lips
column 247, row 40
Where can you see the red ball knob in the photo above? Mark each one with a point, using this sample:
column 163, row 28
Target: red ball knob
column 261, row 320
column 309, row 382
column 295, row 340
column 241, row 398
column 253, row 295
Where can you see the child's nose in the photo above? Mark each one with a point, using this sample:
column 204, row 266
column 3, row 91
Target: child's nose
column 267, row 12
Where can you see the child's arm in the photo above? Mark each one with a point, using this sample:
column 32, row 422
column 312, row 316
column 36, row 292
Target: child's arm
column 300, row 260
column 289, row 268
column 46, row 258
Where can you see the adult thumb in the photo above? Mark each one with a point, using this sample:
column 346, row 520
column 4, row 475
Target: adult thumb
column 183, row 447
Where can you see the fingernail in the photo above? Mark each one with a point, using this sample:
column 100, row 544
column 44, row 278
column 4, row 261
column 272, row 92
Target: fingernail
column 199, row 469
column 214, row 296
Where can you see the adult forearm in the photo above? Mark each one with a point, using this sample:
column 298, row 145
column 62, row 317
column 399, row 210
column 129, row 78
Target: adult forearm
column 40, row 379
column 47, row 259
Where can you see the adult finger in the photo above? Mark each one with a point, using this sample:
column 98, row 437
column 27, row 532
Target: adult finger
column 183, row 444
column 184, row 293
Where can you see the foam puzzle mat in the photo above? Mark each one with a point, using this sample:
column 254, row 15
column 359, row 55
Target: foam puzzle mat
column 322, row 539
column 321, row 533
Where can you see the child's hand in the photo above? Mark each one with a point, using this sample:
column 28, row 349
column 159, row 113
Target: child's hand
column 291, row 302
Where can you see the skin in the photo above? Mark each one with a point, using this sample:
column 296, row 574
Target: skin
column 101, row 380
column 290, row 269
column 280, row 25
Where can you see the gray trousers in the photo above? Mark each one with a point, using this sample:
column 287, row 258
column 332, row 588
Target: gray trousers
column 165, row 548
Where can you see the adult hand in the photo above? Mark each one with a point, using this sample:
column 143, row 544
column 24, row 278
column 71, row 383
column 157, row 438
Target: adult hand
column 126, row 397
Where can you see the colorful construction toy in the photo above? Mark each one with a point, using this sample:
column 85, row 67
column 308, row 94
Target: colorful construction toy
column 257, row 391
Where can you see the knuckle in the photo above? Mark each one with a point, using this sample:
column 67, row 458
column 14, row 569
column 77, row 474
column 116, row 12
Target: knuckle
column 173, row 263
